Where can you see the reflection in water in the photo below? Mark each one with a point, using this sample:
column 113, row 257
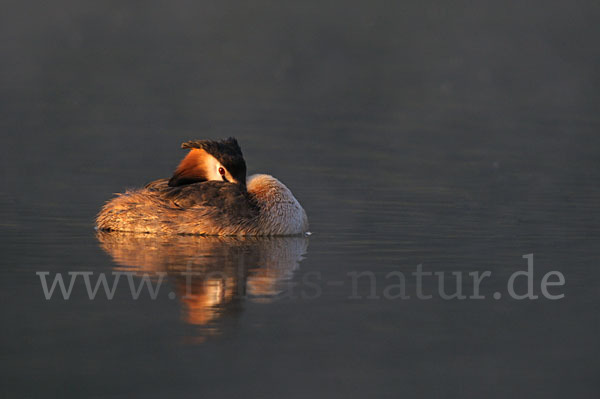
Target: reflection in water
column 211, row 275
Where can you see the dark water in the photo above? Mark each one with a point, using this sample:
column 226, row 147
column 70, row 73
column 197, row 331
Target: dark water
column 460, row 136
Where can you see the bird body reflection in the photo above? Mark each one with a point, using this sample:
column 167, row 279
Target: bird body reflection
column 211, row 276
column 208, row 194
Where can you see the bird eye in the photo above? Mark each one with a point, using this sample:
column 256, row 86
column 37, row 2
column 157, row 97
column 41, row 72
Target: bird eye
column 221, row 170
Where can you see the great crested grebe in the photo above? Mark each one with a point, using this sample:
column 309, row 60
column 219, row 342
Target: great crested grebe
column 208, row 195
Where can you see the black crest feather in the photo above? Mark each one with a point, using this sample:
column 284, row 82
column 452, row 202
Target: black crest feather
column 227, row 152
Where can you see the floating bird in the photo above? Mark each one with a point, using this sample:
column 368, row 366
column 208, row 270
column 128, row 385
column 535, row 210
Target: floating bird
column 208, row 194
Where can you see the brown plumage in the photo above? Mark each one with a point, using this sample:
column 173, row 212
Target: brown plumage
column 214, row 201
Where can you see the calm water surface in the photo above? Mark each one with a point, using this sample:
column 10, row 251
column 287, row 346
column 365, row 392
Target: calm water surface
column 457, row 137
